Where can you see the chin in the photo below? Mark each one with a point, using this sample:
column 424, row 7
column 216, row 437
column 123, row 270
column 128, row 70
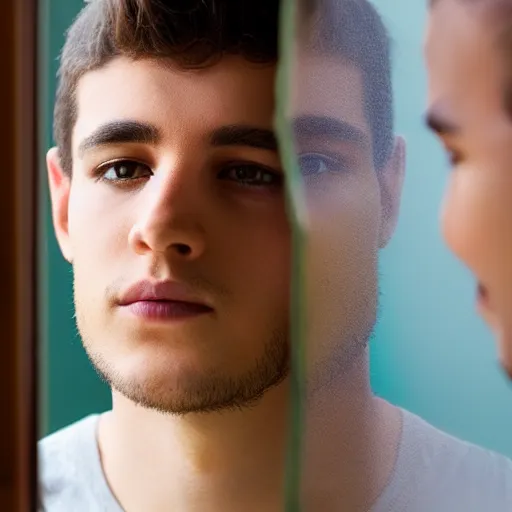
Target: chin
column 168, row 366
column 149, row 363
column 170, row 389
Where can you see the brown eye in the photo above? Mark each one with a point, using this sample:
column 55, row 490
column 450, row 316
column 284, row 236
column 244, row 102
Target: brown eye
column 123, row 170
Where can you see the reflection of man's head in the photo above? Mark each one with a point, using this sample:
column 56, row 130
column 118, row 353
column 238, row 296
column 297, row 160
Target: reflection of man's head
column 341, row 106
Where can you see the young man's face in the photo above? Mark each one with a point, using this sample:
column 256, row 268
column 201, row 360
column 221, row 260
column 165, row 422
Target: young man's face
column 467, row 83
column 202, row 207
column 197, row 202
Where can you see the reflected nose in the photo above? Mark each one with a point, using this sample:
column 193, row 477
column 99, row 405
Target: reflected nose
column 170, row 220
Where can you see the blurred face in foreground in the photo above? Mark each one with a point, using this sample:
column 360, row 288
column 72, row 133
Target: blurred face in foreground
column 468, row 110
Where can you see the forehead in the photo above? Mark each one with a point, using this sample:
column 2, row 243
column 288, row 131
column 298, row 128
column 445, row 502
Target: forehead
column 330, row 86
column 158, row 92
column 465, row 68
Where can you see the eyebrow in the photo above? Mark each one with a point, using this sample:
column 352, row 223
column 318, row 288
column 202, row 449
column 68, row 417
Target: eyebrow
column 329, row 127
column 242, row 135
column 119, row 132
column 439, row 122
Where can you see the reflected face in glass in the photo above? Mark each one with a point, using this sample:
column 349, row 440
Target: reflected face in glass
column 352, row 208
column 467, row 110
column 175, row 223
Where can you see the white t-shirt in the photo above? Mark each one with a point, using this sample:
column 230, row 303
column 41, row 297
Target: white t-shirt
column 434, row 472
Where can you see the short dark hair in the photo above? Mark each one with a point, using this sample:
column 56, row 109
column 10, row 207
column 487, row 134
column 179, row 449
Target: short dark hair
column 196, row 33
column 355, row 30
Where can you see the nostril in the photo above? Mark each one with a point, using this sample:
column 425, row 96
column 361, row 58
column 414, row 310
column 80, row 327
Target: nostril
column 182, row 249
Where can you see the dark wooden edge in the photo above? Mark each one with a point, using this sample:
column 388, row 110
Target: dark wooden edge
column 28, row 206
column 18, row 255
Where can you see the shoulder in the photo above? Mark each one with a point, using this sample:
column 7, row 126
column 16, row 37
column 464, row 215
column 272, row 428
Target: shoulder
column 433, row 444
column 67, row 458
column 70, row 434
column 452, row 474
column 64, row 448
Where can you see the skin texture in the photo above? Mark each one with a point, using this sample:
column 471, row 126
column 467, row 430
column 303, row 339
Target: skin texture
column 190, row 218
column 467, row 110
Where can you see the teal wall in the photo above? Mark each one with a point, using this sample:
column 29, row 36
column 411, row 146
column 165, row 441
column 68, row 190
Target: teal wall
column 431, row 353
column 72, row 387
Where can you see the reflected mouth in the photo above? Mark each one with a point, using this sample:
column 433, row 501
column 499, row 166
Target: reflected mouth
column 507, row 369
column 482, row 296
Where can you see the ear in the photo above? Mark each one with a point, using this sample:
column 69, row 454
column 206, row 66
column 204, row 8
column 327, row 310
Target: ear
column 60, row 186
column 391, row 179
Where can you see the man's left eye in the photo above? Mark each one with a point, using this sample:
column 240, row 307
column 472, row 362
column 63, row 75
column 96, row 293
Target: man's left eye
column 251, row 175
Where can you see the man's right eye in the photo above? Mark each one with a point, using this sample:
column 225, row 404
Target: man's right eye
column 124, row 170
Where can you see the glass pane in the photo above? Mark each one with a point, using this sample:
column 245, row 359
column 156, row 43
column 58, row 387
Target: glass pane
column 379, row 286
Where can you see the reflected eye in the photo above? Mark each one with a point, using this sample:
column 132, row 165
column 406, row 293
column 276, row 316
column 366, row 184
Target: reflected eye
column 251, row 175
column 312, row 164
column 124, row 170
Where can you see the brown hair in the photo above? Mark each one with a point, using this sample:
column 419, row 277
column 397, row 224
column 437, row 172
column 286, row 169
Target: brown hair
column 192, row 32
column 197, row 33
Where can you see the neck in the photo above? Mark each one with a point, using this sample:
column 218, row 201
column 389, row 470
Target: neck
column 235, row 460
column 350, row 445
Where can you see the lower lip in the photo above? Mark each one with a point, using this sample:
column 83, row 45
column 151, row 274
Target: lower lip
column 165, row 310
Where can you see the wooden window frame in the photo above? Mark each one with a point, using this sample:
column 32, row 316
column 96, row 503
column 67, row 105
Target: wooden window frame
column 19, row 191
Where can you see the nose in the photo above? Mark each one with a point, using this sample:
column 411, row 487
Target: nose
column 170, row 219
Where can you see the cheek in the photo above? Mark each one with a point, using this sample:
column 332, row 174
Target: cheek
column 253, row 249
column 342, row 241
column 255, row 265
column 97, row 223
column 271, row 251
column 466, row 217
column 344, row 225
column 98, row 236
